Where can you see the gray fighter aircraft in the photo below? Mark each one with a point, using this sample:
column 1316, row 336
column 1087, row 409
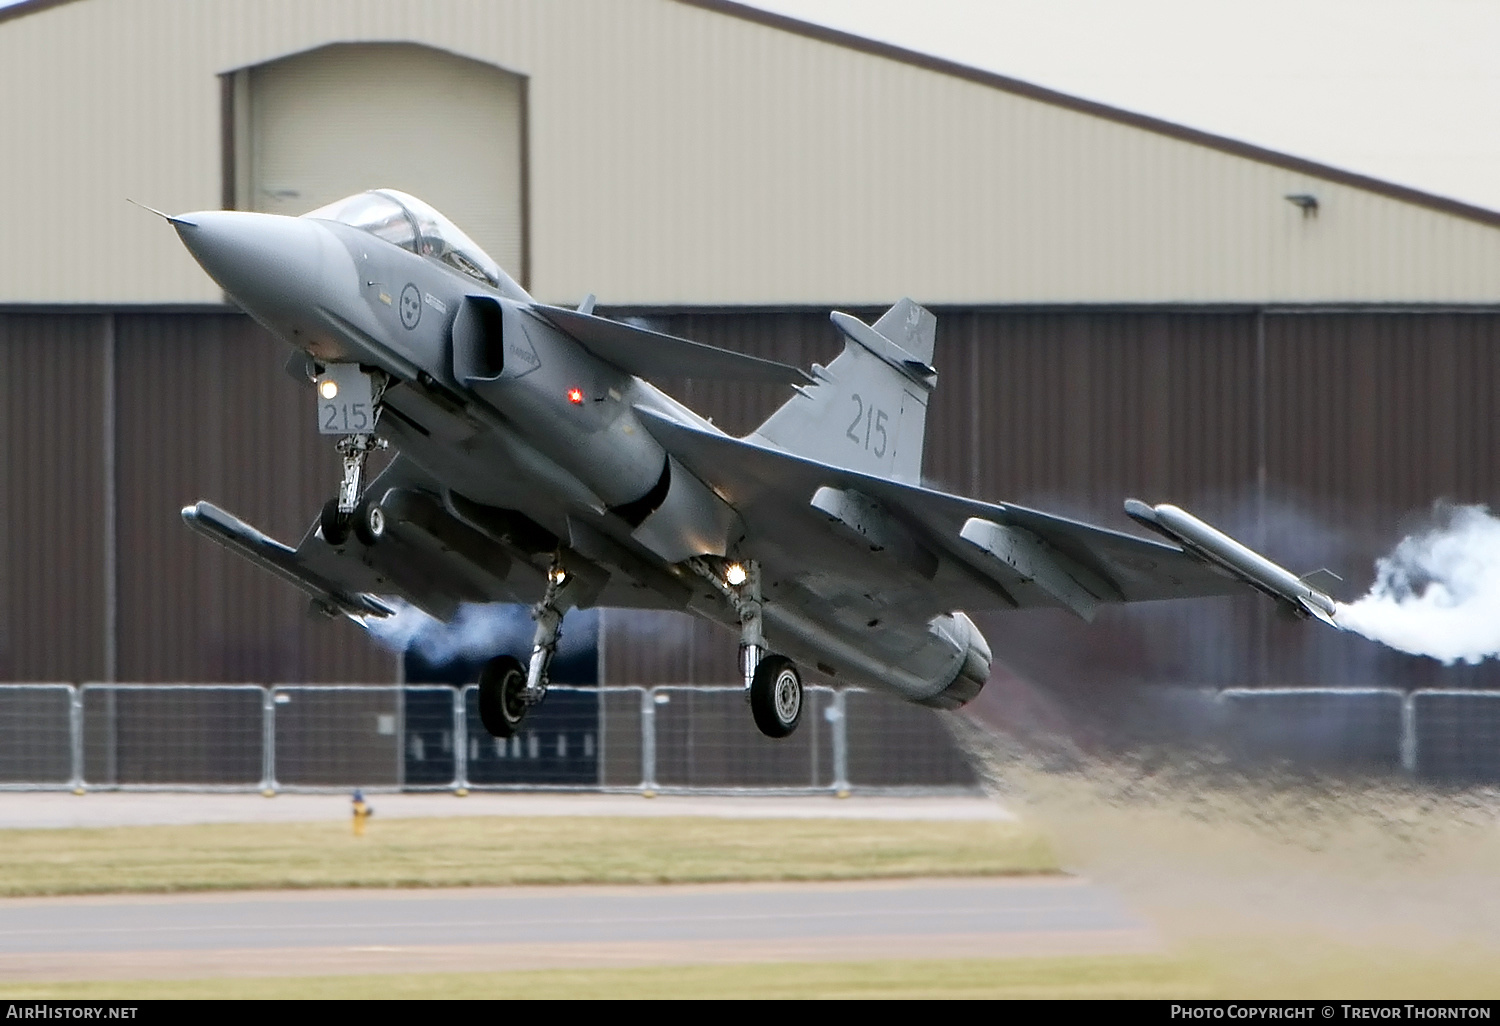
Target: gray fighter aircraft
column 536, row 463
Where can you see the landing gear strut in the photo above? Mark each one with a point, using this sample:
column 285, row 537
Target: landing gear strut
column 506, row 688
column 548, row 614
column 748, row 603
column 773, row 687
column 346, row 510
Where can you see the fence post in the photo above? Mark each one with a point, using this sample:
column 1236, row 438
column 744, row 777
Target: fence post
column 112, row 736
column 838, row 721
column 75, row 737
column 400, row 735
column 648, row 742
column 601, row 730
column 1409, row 733
column 460, row 741
column 268, row 742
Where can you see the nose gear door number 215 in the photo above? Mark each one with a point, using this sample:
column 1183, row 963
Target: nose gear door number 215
column 346, row 400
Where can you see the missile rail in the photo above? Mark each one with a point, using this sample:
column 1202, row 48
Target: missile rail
column 282, row 560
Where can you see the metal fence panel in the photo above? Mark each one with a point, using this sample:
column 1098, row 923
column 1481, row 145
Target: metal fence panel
column 893, row 743
column 705, row 737
column 1457, row 735
column 428, row 757
column 337, row 736
column 36, row 742
column 557, row 745
column 1316, row 728
column 196, row 735
column 677, row 737
column 621, row 736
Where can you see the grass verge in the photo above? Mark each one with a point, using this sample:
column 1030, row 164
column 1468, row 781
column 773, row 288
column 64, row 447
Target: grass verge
column 1283, row 966
column 493, row 851
column 1122, row 976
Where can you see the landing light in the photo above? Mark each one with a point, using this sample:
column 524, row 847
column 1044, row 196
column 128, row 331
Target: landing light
column 736, row 574
column 557, row 576
column 575, row 396
column 328, row 388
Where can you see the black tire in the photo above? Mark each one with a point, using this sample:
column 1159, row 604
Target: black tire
column 776, row 696
column 369, row 522
column 501, row 708
column 335, row 528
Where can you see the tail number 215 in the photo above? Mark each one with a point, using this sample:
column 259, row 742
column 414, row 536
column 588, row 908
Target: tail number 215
column 873, row 429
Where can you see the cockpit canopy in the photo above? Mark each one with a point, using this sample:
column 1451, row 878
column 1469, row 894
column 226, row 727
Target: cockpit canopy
column 406, row 221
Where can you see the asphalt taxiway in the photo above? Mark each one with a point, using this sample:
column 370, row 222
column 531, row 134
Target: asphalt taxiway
column 495, row 929
column 295, row 933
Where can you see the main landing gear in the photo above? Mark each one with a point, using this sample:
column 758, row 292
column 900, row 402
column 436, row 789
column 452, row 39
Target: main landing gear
column 502, row 695
column 506, row 688
column 776, row 696
column 773, row 686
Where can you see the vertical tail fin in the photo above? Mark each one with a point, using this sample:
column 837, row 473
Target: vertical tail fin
column 868, row 410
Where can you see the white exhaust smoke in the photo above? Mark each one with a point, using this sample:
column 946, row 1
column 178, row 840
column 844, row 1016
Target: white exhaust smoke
column 1438, row 593
column 475, row 632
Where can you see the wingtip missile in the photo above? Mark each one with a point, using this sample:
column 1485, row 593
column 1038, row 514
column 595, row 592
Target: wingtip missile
column 1216, row 548
column 281, row 560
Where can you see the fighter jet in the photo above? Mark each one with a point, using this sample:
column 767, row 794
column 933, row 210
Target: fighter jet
column 535, row 462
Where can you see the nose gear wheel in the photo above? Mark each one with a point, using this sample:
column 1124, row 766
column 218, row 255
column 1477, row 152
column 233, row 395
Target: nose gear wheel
column 369, row 522
column 332, row 524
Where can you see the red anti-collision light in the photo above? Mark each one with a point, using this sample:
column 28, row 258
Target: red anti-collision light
column 575, row 396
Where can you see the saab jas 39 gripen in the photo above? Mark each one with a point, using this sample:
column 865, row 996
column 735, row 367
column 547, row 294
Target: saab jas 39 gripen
column 535, row 462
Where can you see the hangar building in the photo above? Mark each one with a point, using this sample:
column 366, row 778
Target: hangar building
column 1126, row 306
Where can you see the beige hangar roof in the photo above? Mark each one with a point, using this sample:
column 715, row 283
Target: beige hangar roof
column 672, row 152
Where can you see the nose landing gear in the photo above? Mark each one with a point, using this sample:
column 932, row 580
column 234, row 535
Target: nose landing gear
column 349, row 406
column 347, row 512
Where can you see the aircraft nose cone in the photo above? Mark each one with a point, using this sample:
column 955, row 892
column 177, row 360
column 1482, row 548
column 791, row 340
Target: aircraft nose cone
column 270, row 264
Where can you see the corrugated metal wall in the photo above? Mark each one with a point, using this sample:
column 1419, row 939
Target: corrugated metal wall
column 52, row 596
column 205, row 411
column 1321, row 437
column 201, row 409
column 1371, row 418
